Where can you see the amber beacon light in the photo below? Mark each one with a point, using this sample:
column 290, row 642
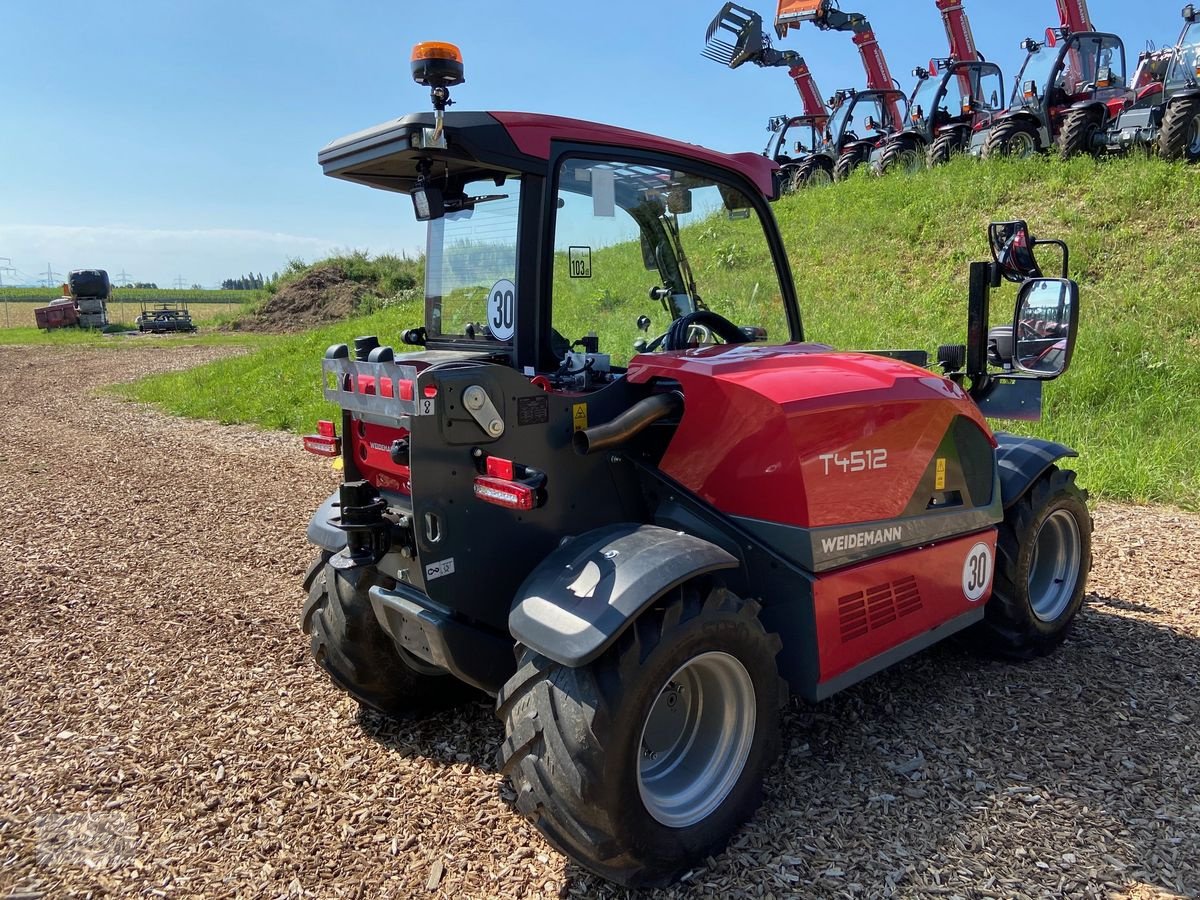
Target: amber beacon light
column 436, row 64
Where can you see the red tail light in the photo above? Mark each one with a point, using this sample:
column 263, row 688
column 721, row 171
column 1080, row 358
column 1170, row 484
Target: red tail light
column 500, row 468
column 326, row 429
column 501, row 492
column 322, row 445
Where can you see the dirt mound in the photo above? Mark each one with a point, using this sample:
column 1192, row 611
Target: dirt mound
column 319, row 296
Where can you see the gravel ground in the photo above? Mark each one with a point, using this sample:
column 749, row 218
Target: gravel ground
column 164, row 733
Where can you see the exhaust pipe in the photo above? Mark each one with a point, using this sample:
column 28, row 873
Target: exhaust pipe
column 628, row 425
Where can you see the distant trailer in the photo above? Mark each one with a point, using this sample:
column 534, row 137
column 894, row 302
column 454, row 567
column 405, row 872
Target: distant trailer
column 58, row 314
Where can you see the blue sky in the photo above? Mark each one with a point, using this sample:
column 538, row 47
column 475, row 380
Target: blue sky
column 179, row 137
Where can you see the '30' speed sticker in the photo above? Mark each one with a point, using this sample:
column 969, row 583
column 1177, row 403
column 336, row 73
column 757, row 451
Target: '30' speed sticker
column 977, row 572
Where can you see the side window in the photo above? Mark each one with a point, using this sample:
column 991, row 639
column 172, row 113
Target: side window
column 637, row 246
column 990, row 91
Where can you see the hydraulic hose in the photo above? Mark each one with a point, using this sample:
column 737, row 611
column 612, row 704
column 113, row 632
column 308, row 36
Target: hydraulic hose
column 628, row 425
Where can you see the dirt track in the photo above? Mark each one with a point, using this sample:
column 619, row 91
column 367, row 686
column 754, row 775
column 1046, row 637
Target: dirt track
column 163, row 732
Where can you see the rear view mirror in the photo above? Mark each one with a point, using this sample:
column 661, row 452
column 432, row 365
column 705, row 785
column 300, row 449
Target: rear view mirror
column 1045, row 327
column 1012, row 248
column 679, row 201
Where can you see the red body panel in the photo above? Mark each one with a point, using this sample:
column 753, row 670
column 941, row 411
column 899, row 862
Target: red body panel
column 810, row 94
column 372, row 445
column 61, row 315
column 869, row 609
column 533, row 134
column 758, row 420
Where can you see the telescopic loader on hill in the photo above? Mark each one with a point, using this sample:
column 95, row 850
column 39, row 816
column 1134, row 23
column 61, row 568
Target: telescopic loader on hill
column 953, row 97
column 840, row 149
column 1074, row 75
column 753, row 46
column 609, row 482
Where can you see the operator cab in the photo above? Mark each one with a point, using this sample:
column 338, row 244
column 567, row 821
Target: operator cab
column 567, row 248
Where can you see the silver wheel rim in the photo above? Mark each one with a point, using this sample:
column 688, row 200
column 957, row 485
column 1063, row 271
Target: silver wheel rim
column 1054, row 568
column 1021, row 145
column 1194, row 136
column 696, row 740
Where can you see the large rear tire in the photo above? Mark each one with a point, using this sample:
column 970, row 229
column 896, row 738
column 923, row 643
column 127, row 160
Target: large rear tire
column 1012, row 137
column 1180, row 135
column 1044, row 554
column 359, row 657
column 1079, row 135
column 642, row 763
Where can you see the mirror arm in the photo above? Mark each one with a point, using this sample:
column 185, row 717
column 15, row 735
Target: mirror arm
column 978, row 303
column 1061, row 245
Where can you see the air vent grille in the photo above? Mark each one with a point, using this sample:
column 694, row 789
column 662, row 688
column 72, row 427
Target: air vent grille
column 865, row 611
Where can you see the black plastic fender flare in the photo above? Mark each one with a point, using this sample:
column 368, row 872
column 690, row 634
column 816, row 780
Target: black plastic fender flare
column 320, row 532
column 1022, row 461
column 1093, row 106
column 580, row 599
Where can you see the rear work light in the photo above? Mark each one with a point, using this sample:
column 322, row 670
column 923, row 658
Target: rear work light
column 509, row 494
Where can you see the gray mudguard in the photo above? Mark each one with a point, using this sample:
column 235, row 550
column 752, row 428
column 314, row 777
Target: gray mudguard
column 575, row 604
column 320, row 532
column 1022, row 461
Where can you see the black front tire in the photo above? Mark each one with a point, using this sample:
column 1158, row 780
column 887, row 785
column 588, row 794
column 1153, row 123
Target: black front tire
column 848, row 162
column 1044, row 555
column 1180, row 135
column 577, row 745
column 815, row 172
column 905, row 154
column 1012, row 137
column 1079, row 135
column 356, row 654
column 945, row 147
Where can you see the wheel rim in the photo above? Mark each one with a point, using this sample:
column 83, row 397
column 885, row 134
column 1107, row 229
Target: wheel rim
column 1054, row 569
column 1194, row 136
column 696, row 740
column 820, row 177
column 1021, row 145
column 911, row 162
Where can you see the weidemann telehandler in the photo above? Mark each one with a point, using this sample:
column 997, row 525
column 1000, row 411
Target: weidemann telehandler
column 610, row 483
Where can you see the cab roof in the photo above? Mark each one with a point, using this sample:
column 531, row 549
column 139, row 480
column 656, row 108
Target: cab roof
column 385, row 155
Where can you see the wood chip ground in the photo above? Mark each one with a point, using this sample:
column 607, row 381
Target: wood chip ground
column 163, row 732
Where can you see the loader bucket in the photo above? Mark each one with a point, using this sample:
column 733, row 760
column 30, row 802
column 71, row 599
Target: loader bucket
column 794, row 13
column 747, row 42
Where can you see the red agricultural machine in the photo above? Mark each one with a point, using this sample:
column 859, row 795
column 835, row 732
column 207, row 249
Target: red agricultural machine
column 610, row 482
column 1163, row 109
column 879, row 111
column 954, row 97
column 1072, row 77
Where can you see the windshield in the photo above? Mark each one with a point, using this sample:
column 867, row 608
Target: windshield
column 471, row 257
column 798, row 138
column 1037, row 68
column 1185, row 66
column 638, row 246
column 924, row 98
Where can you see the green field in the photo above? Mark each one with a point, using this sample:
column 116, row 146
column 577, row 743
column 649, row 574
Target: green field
column 135, row 295
column 883, row 263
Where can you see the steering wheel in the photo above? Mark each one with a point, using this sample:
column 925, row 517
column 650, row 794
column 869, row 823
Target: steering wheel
column 677, row 336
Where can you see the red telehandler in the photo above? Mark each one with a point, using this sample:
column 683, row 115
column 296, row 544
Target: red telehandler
column 1163, row 108
column 1074, row 69
column 840, row 148
column 954, row 97
column 755, row 47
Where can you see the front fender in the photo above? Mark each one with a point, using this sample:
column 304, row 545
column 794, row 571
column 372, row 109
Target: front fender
column 1022, row 461
column 581, row 598
column 1093, row 106
column 320, row 532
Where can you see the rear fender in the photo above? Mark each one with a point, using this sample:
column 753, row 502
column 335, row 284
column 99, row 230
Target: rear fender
column 1022, row 461
column 320, row 532
column 580, row 599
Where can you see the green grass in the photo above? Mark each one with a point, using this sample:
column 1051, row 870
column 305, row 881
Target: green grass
column 136, row 295
column 279, row 386
column 88, row 339
column 883, row 263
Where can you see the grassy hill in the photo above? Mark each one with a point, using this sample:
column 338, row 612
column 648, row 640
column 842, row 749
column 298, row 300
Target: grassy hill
column 883, row 263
